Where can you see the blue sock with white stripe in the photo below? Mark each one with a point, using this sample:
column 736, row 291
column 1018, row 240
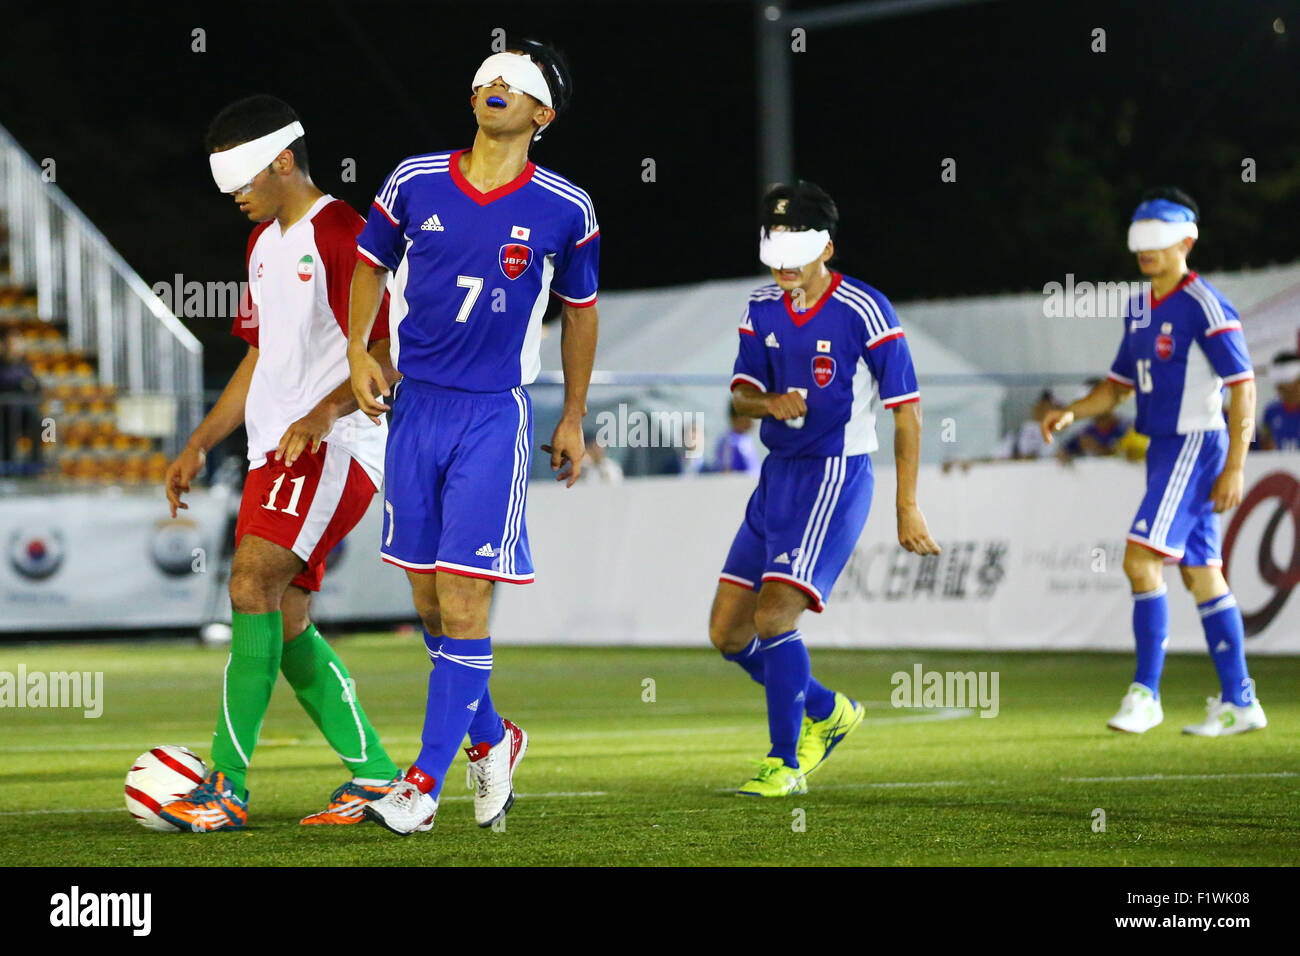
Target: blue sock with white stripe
column 1151, row 632
column 456, row 684
column 1225, row 633
column 786, row 670
column 486, row 726
column 820, row 699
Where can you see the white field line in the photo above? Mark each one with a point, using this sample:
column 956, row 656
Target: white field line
column 943, row 713
column 1145, row 778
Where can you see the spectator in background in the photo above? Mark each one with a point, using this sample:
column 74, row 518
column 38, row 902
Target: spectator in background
column 600, row 467
column 736, row 450
column 1101, row 436
column 1279, row 426
column 20, row 398
column 1026, row 442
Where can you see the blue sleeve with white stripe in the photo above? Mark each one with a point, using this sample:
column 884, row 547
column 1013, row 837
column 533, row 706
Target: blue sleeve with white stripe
column 382, row 241
column 890, row 360
column 1123, row 369
column 1221, row 339
column 751, row 360
column 576, row 278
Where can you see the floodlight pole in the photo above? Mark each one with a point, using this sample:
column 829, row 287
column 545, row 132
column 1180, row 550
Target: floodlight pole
column 772, row 26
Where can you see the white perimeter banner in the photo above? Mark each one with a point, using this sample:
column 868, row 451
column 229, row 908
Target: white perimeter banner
column 109, row 559
column 1032, row 559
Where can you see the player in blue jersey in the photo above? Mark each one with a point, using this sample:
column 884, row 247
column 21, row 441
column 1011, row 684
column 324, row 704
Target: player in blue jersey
column 816, row 350
column 474, row 240
column 1182, row 344
column 1280, row 423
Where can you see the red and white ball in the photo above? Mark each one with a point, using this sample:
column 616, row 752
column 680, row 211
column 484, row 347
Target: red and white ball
column 156, row 778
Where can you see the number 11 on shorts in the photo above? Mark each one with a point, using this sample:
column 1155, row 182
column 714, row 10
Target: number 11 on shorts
column 292, row 507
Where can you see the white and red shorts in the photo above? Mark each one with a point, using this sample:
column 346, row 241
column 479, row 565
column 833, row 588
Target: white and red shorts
column 308, row 507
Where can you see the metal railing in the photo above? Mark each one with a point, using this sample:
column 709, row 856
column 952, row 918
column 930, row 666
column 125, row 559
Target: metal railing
column 111, row 313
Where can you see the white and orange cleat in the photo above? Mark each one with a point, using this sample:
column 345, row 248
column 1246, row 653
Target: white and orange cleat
column 491, row 774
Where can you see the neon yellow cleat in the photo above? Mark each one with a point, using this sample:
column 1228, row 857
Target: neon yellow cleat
column 820, row 737
column 774, row 779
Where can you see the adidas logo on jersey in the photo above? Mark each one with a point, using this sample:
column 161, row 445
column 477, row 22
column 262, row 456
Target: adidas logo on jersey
column 1141, row 525
column 472, row 705
column 487, row 551
column 433, row 224
column 771, row 341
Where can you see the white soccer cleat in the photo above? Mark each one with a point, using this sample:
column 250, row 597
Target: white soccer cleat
column 491, row 774
column 1138, row 712
column 407, row 808
column 1222, row 717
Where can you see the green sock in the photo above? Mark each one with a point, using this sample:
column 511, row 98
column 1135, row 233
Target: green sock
column 255, row 644
column 328, row 694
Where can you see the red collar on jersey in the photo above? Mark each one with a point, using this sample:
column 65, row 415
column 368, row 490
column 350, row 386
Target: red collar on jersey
column 483, row 199
column 802, row 318
column 1190, row 277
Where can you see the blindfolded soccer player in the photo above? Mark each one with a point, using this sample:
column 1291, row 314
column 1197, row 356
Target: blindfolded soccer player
column 1182, row 344
column 314, row 463
column 816, row 350
column 475, row 241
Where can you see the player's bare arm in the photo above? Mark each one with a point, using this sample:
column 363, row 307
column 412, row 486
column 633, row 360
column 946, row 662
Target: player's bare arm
column 312, row 428
column 1105, row 396
column 749, row 401
column 578, row 333
column 368, row 380
column 1227, row 489
column 913, row 533
column 226, row 415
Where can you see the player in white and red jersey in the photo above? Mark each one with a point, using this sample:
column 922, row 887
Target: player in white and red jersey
column 315, row 462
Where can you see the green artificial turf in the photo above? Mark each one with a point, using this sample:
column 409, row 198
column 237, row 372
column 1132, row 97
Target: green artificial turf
column 613, row 778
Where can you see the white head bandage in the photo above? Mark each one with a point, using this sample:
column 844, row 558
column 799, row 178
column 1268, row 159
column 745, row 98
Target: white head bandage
column 521, row 74
column 1285, row 371
column 791, row 250
column 233, row 169
column 1148, row 234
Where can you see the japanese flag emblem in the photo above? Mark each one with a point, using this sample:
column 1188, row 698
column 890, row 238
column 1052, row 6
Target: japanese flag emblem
column 823, row 369
column 520, row 232
column 515, row 260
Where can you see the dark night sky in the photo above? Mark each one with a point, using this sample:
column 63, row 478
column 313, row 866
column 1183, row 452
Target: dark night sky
column 1052, row 142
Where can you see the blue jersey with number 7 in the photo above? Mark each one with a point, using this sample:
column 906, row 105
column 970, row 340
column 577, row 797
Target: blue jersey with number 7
column 472, row 271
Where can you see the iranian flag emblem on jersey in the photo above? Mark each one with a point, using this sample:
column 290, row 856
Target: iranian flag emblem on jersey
column 305, row 268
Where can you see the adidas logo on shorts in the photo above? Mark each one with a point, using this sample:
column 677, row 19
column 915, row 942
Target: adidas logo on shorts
column 782, row 558
column 487, row 551
column 1141, row 525
column 433, row 224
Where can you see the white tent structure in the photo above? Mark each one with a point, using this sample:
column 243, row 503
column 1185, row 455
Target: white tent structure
column 981, row 360
column 673, row 349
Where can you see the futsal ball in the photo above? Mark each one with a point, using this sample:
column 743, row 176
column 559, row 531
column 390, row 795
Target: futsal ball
column 157, row 777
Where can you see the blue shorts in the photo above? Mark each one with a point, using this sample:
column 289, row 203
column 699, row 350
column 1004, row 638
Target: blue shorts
column 802, row 524
column 456, row 482
column 1177, row 517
